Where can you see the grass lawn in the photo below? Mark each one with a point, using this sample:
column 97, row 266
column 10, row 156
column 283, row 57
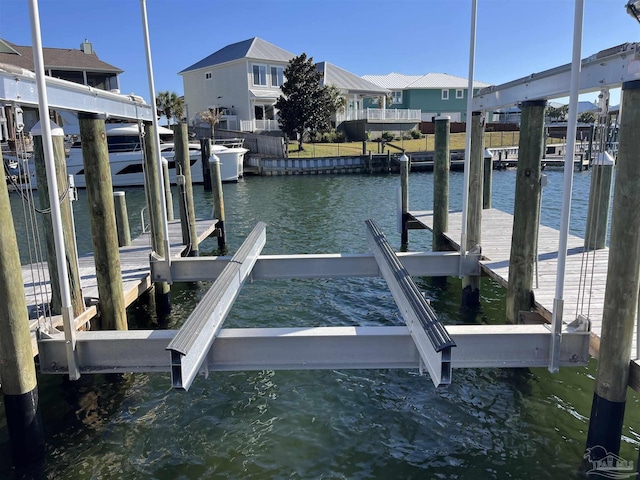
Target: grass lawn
column 457, row 142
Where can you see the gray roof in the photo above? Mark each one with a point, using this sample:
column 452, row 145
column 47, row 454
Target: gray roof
column 54, row 58
column 344, row 80
column 254, row 48
column 398, row 81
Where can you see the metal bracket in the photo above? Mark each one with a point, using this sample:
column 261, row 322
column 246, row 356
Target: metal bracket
column 160, row 268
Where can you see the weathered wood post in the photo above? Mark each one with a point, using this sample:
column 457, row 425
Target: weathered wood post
column 104, row 233
column 471, row 284
column 487, row 180
column 153, row 186
column 70, row 252
column 621, row 292
column 218, row 201
column 168, row 198
column 122, row 219
column 17, row 369
column 205, row 153
column 526, row 211
column 187, row 212
column 599, row 196
column 404, row 193
column 441, row 166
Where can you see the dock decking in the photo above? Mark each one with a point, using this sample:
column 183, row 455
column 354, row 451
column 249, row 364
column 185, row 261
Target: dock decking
column 496, row 248
column 136, row 274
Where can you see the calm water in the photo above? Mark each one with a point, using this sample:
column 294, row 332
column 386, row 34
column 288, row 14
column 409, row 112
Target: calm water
column 381, row 424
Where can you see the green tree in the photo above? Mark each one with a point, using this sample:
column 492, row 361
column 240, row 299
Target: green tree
column 558, row 113
column 305, row 105
column 170, row 105
column 211, row 117
column 587, row 117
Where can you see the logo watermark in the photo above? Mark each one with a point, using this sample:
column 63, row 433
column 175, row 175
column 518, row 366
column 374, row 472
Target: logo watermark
column 608, row 465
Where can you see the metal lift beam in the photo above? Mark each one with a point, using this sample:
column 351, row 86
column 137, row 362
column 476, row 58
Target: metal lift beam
column 606, row 69
column 18, row 86
column 431, row 338
column 191, row 344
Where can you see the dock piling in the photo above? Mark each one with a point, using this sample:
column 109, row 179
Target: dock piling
column 621, row 292
column 487, row 180
column 218, row 201
column 17, row 369
column 526, row 214
column 471, row 284
column 122, row 219
column 185, row 187
column 599, row 201
column 404, row 191
column 205, row 153
column 168, row 198
column 441, row 167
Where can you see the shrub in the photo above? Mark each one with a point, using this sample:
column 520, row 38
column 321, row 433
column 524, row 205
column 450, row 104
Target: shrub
column 415, row 134
column 387, row 136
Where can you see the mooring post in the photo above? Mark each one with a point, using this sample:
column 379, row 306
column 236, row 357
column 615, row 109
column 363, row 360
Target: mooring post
column 592, row 129
column 122, row 219
column 526, row 211
column 441, row 166
column 70, row 252
column 621, row 292
column 599, row 201
column 104, row 233
column 218, row 201
column 205, row 153
column 487, row 180
column 153, row 186
column 17, row 368
column 184, row 164
column 168, row 198
column 404, row 192
column 471, row 284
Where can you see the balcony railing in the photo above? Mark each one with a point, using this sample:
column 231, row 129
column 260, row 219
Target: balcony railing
column 381, row 115
column 259, row 125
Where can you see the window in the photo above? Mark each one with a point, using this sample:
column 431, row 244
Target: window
column 277, row 76
column 459, row 93
column 207, row 76
column 259, row 75
column 445, row 94
column 396, row 97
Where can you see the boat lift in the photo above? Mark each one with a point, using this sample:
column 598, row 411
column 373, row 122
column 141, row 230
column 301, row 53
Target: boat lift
column 424, row 343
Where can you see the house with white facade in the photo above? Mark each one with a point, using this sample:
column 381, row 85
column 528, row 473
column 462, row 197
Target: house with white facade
column 244, row 79
column 434, row 93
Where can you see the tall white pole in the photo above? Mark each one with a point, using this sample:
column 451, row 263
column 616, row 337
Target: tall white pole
column 467, row 148
column 558, row 302
column 154, row 112
column 56, row 218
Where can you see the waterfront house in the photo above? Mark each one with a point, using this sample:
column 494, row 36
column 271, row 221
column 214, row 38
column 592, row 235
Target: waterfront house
column 75, row 65
column 434, row 94
column 243, row 80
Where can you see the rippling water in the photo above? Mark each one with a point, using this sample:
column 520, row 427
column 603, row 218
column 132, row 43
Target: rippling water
column 381, row 424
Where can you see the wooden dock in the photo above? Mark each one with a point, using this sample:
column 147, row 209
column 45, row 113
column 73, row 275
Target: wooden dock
column 496, row 248
column 136, row 274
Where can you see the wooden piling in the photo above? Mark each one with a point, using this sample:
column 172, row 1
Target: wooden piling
column 218, row 201
column 153, row 186
column 441, row 166
column 471, row 284
column 183, row 163
column 17, row 369
column 404, row 192
column 122, row 219
column 487, row 180
column 168, row 198
column 599, row 200
column 205, row 153
column 526, row 214
column 621, row 292
column 70, row 252
column 104, row 233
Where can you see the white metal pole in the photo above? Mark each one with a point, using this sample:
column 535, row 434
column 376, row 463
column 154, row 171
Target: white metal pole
column 467, row 148
column 56, row 218
column 558, row 302
column 154, row 111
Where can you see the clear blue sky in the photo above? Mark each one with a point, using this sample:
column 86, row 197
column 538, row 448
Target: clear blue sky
column 514, row 37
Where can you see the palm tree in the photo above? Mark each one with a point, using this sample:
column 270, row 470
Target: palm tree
column 170, row 105
column 211, row 117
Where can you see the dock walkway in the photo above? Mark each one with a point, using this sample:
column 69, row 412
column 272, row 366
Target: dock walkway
column 136, row 274
column 497, row 228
